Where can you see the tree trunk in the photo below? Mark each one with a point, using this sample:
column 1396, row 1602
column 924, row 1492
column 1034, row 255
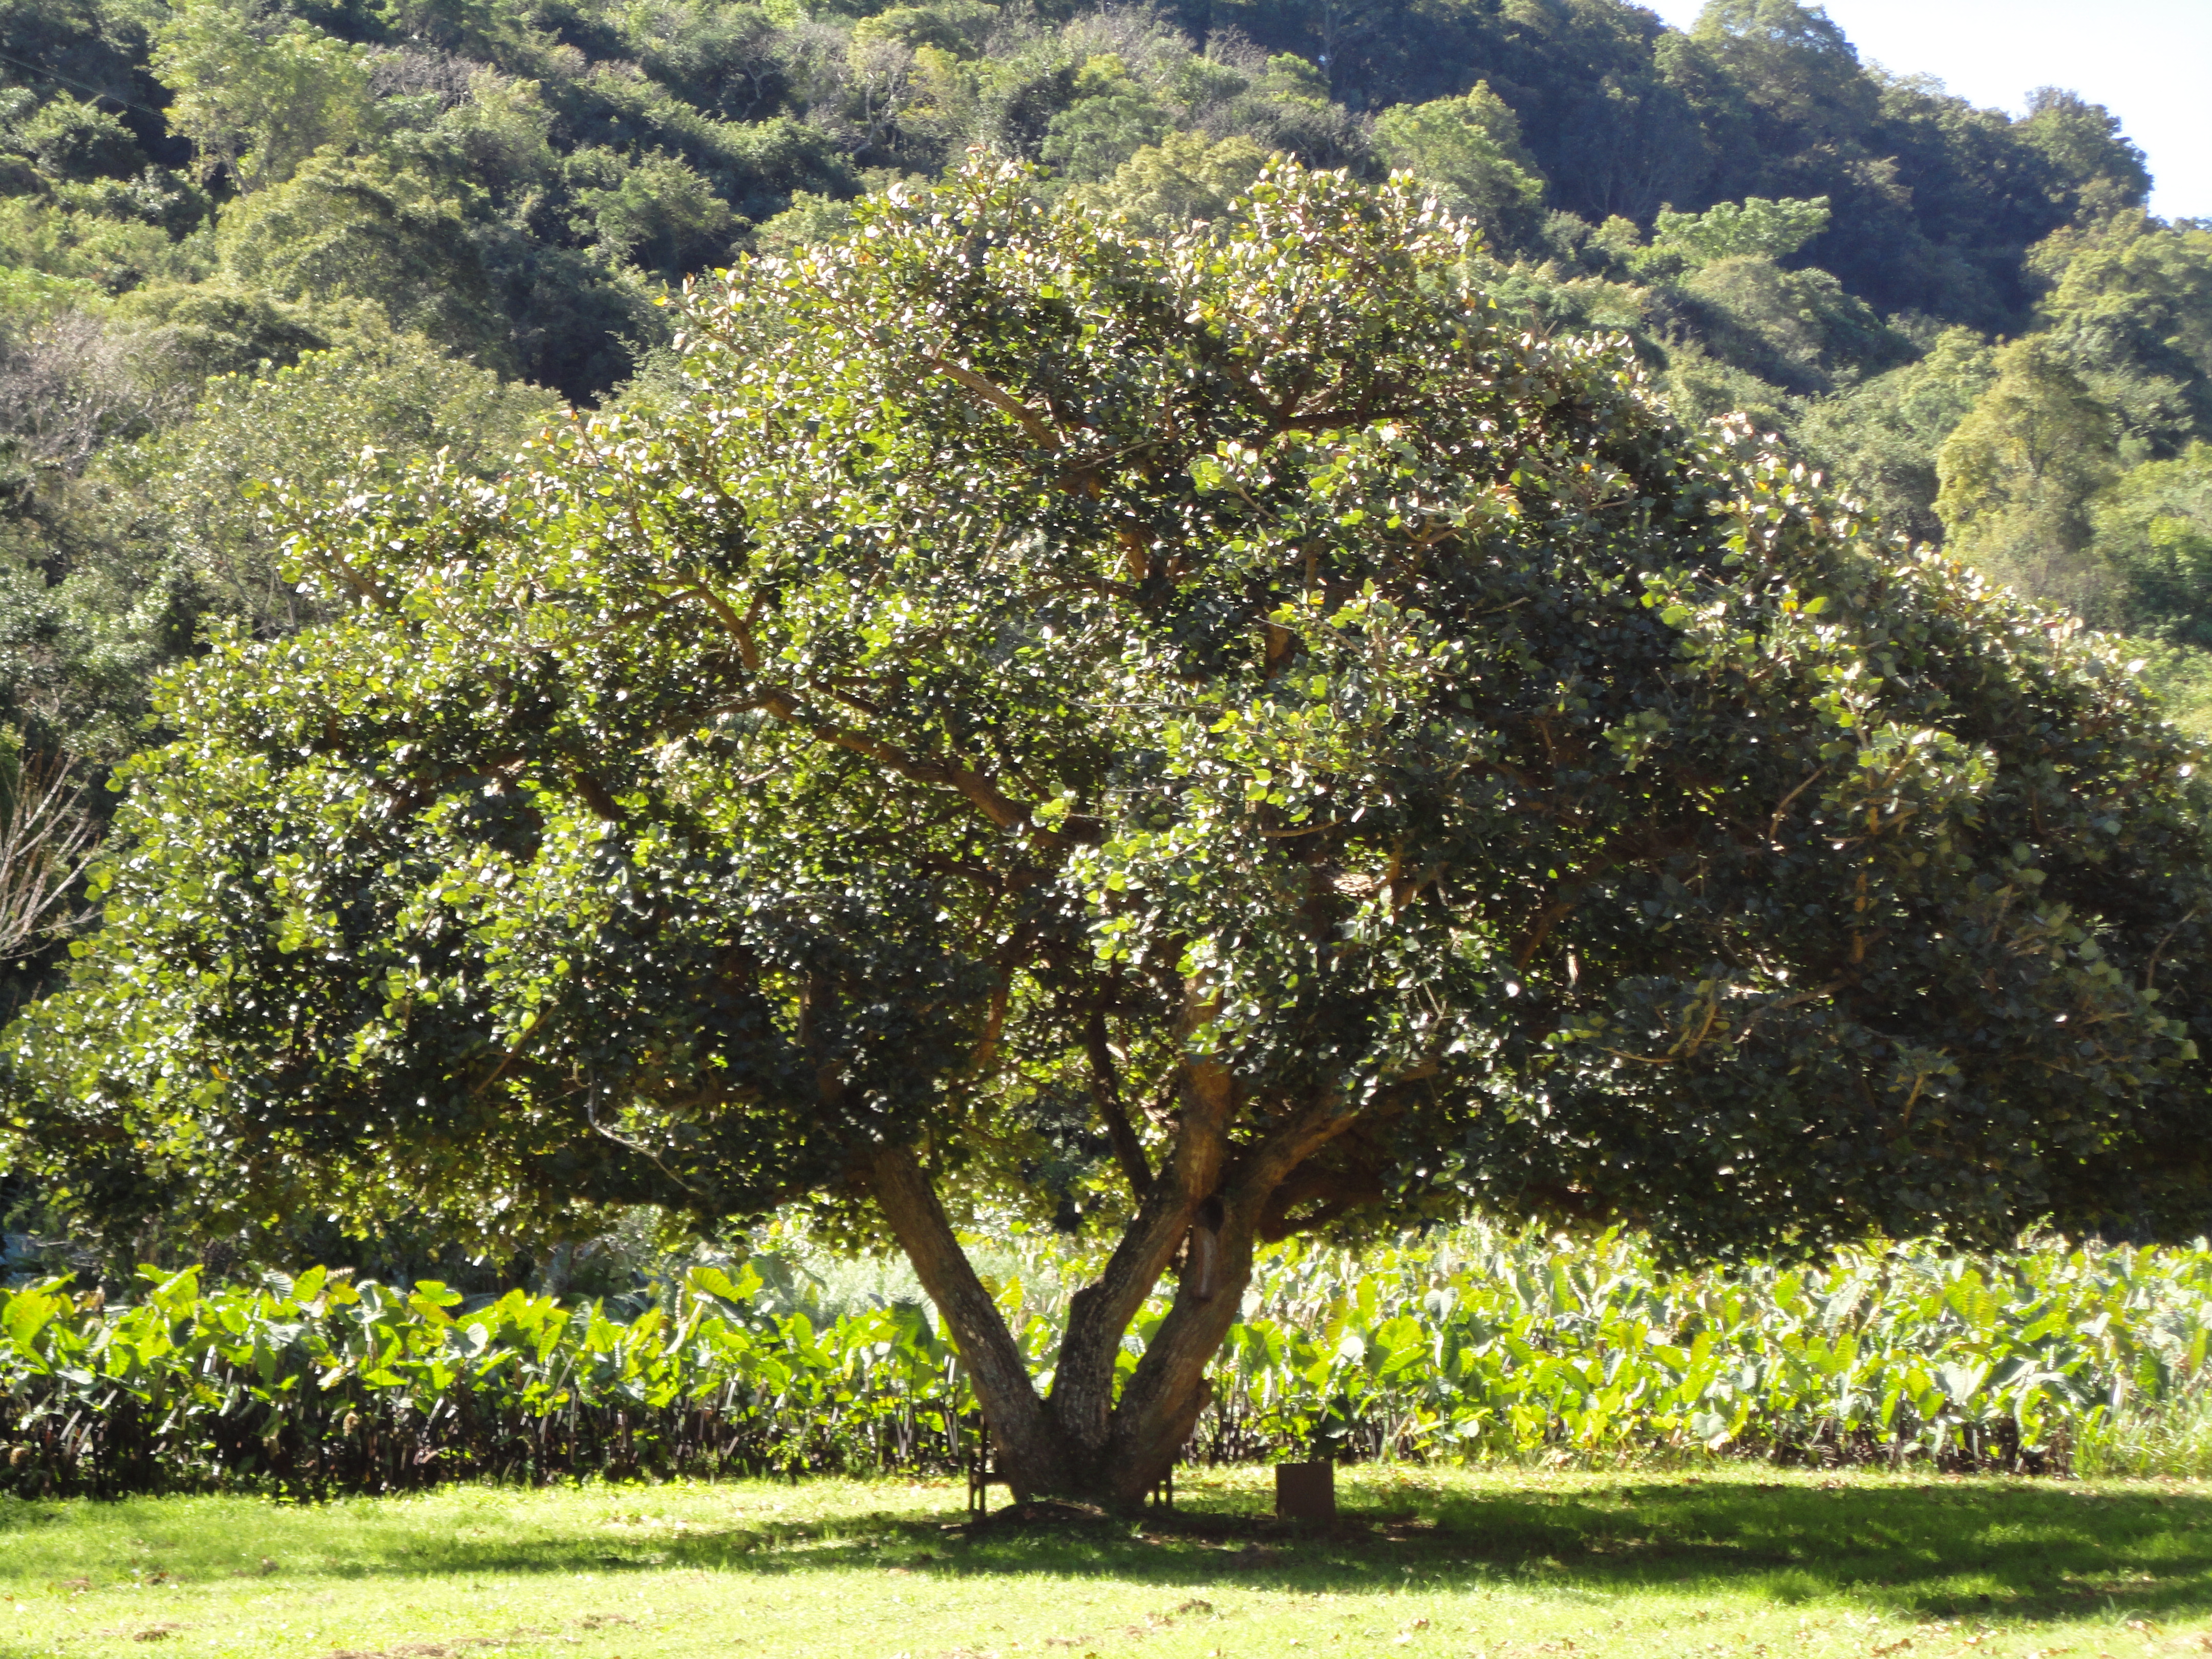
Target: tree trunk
column 1162, row 1401
column 1084, row 1443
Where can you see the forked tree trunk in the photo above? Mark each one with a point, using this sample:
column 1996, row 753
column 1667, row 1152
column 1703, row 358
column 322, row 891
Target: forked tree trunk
column 1085, row 1442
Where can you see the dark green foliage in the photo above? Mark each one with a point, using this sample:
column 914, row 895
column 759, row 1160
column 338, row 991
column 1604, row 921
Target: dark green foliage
column 79, row 142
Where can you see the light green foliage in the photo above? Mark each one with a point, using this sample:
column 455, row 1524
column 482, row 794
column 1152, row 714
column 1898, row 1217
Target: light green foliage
column 2152, row 530
column 1112, row 118
column 114, row 254
column 1753, row 228
column 1701, row 388
column 2100, row 170
column 660, row 214
column 1493, row 1346
column 500, row 137
column 810, row 218
column 1879, row 440
column 357, row 228
column 2131, row 310
column 317, row 1385
column 202, row 330
column 1480, row 1345
column 1184, row 178
column 2017, row 475
column 185, row 533
column 257, row 96
column 1469, row 151
column 2154, row 524
column 28, row 296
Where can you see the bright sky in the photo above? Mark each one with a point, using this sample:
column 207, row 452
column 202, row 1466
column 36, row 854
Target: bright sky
column 2148, row 61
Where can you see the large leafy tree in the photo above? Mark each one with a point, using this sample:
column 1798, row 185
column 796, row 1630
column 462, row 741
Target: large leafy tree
column 1207, row 739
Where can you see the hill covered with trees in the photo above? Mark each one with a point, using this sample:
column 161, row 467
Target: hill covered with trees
column 242, row 242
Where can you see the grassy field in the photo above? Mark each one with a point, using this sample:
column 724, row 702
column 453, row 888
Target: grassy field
column 1740, row 1562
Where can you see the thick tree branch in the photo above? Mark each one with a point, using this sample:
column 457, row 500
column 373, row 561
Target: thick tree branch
column 1019, row 1425
column 1039, row 429
column 1161, row 1402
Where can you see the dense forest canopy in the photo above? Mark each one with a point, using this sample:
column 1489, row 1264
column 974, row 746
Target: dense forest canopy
column 254, row 252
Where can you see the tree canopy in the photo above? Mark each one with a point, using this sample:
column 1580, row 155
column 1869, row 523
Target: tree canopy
column 1199, row 738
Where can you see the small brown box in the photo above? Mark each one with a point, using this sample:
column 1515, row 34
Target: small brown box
column 1305, row 1492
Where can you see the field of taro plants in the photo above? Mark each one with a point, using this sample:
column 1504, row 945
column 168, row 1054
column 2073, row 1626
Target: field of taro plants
column 1474, row 1345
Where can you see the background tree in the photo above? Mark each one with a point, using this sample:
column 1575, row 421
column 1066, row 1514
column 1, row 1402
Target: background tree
column 2153, row 525
column 1755, row 229
column 2018, row 474
column 2100, row 171
column 1470, row 151
column 258, row 95
column 1882, row 436
column 1203, row 739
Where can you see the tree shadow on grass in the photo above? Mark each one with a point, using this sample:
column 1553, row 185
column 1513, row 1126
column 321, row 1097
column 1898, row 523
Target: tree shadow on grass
column 2021, row 1550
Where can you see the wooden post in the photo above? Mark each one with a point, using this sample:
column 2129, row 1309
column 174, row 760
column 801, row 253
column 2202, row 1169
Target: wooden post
column 1305, row 1492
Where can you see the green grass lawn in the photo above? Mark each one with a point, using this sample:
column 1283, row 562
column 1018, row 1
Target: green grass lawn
column 1742, row 1562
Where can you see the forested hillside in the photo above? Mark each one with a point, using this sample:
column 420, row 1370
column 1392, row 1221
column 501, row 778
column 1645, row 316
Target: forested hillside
column 242, row 243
